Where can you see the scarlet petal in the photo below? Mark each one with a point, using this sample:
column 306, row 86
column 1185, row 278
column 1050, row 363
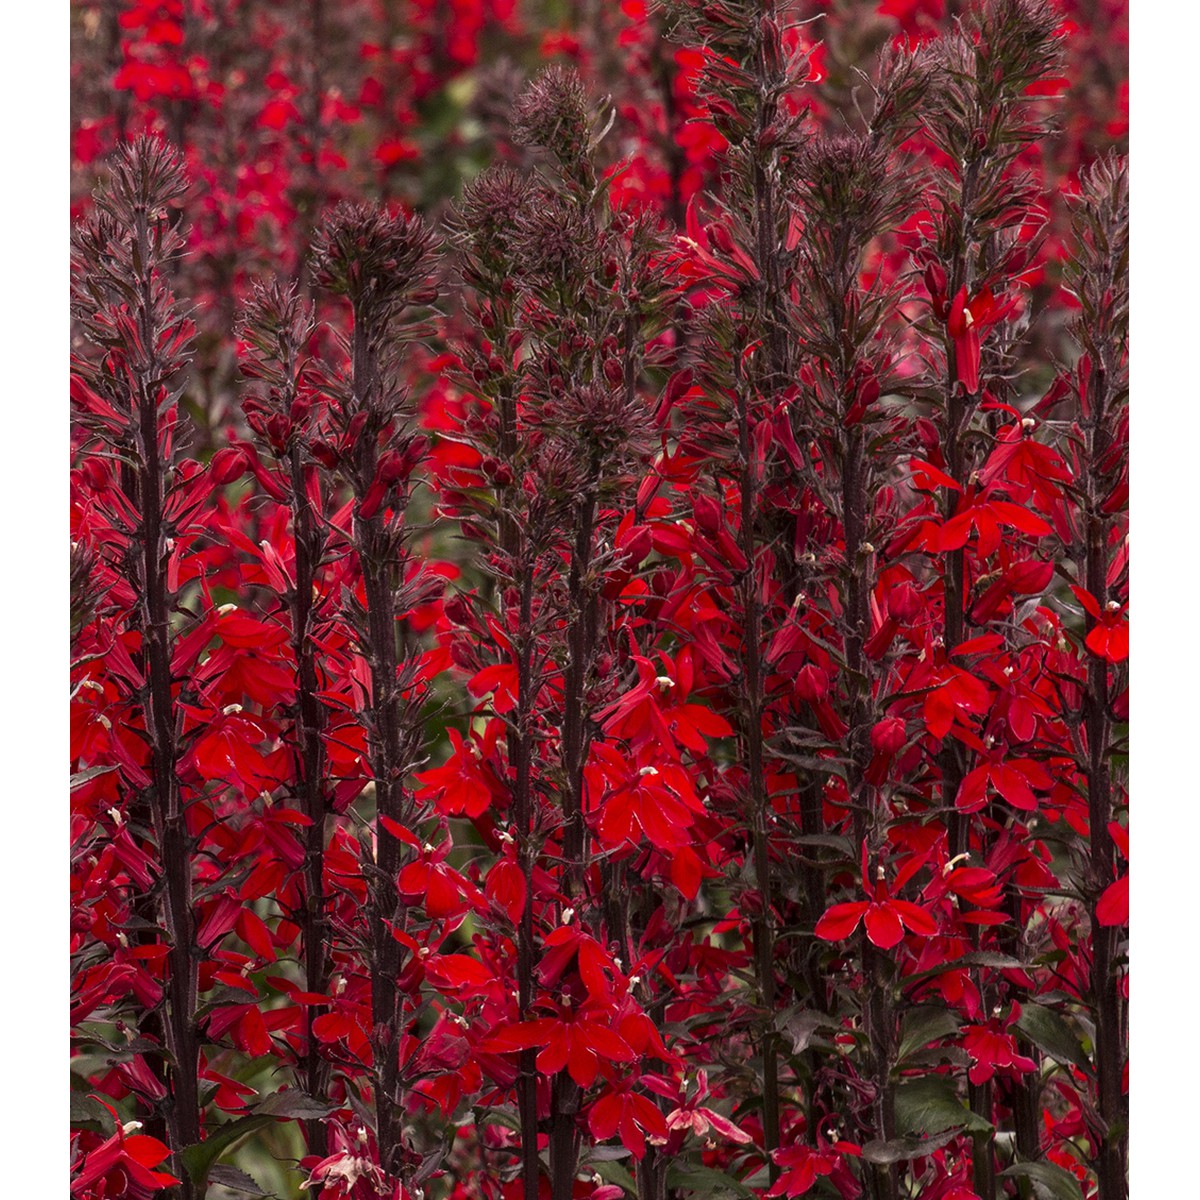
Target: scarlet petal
column 581, row 1062
column 147, row 1150
column 1113, row 905
column 685, row 872
column 972, row 793
column 939, row 710
column 914, row 917
column 883, row 925
column 505, row 888
column 631, row 1135
column 1010, row 783
column 460, row 970
column 966, row 359
column 554, row 1057
column 650, row 1118
column 605, row 1042
column 840, row 921
column 518, row 1037
column 604, row 1116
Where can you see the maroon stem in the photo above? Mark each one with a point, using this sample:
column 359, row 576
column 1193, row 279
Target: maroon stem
column 310, row 763
column 167, row 810
column 1110, row 1167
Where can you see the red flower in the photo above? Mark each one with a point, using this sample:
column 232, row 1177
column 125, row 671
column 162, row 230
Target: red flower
column 691, row 1115
column 993, row 1048
column 967, row 323
column 576, row 1040
column 634, row 1116
column 120, row 1167
column 885, row 918
column 1113, row 906
column 802, row 1166
column 1109, row 635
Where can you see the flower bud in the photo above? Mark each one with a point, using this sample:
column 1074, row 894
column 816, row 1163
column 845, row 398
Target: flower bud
column 708, row 513
column 904, row 602
column 888, row 736
column 228, row 464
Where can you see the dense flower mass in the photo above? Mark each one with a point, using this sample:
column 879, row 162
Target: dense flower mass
column 599, row 614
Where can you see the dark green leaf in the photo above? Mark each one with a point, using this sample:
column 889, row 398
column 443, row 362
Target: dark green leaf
column 706, row 1181
column 236, row 1181
column 88, row 1113
column 198, row 1159
column 504, row 1117
column 79, row 778
column 922, row 1026
column 800, row 1027
column 1050, row 1181
column 606, row 1153
column 1051, row 1033
column 931, row 1105
column 976, row 958
column 295, row 1105
column 615, row 1173
column 902, row 1149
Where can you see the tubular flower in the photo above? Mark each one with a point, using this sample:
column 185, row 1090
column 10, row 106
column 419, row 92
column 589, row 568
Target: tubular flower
column 967, row 323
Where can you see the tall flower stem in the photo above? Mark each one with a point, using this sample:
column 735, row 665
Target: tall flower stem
column 1100, row 278
column 124, row 256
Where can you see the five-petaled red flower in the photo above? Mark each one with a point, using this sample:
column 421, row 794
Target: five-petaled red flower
column 885, row 917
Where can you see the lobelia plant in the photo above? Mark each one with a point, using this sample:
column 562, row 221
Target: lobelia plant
column 382, row 264
column 653, row 725
column 135, row 340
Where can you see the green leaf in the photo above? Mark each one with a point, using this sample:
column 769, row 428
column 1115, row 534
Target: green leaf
column 931, row 1105
column 504, row 1117
column 198, row 1159
column 801, row 1026
column 613, row 1172
column 1050, row 1181
column 975, row 958
column 88, row 1113
column 1051, row 1033
column 79, row 778
column 706, row 1181
column 294, row 1105
column 922, row 1026
column 607, row 1153
column 902, row 1149
column 237, row 1181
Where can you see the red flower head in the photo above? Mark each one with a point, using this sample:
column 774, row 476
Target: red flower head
column 885, row 918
